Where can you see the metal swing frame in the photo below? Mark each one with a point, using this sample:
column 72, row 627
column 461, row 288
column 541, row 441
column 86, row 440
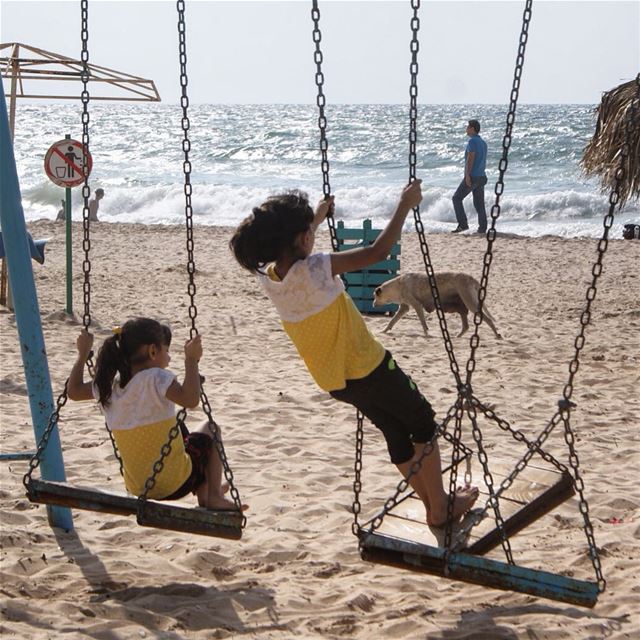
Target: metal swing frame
column 152, row 513
column 448, row 561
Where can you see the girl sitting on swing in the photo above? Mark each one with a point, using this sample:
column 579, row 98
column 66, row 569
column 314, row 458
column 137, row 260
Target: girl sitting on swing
column 138, row 396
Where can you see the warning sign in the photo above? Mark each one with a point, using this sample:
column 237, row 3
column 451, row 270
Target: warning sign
column 63, row 163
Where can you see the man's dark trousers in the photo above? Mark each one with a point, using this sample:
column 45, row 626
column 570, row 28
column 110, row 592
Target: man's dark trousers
column 477, row 188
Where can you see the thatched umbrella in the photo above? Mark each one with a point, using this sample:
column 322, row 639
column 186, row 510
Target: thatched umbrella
column 602, row 155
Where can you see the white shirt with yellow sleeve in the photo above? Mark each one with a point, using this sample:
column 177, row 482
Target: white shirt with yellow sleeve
column 322, row 322
column 140, row 417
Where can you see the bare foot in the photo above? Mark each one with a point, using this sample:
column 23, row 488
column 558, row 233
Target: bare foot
column 463, row 501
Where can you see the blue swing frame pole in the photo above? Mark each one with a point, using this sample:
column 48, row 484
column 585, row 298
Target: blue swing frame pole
column 27, row 312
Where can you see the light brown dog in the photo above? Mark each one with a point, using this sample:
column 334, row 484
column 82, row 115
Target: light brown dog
column 458, row 294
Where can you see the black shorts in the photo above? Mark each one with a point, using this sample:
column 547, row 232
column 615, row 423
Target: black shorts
column 392, row 401
column 198, row 447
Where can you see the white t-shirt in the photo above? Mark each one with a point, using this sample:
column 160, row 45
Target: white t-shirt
column 143, row 401
column 323, row 323
column 308, row 288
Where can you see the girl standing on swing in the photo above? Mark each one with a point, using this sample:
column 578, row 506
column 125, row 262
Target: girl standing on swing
column 138, row 396
column 276, row 242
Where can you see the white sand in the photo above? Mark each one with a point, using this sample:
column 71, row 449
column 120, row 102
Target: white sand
column 297, row 573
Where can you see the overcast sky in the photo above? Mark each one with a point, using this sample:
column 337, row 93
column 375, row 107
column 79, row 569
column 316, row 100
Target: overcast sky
column 262, row 51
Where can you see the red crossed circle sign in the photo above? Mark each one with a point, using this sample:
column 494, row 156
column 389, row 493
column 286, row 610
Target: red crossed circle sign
column 63, row 163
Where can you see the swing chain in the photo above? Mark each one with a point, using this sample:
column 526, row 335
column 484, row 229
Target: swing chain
column 583, row 504
column 321, row 101
column 186, row 165
column 86, row 191
column 35, row 461
column 413, row 138
column 158, row 465
column 499, row 188
column 326, row 190
column 596, row 270
column 453, row 479
column 402, row 486
column 565, row 403
column 357, row 482
column 413, row 96
column 466, row 389
column 534, row 447
column 191, row 267
column 414, row 47
column 214, row 430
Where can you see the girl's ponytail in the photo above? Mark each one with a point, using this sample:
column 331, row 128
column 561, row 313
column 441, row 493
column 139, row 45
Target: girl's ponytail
column 108, row 363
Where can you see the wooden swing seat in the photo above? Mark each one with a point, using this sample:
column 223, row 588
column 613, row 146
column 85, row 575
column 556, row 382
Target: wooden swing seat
column 383, row 549
column 161, row 515
column 535, row 492
column 405, row 540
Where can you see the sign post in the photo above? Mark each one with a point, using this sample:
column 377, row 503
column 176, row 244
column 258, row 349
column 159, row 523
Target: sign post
column 63, row 166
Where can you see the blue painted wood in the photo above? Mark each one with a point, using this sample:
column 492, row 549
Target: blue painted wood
column 36, row 248
column 362, row 284
column 369, row 279
column 376, row 547
column 25, row 302
column 23, row 455
column 161, row 515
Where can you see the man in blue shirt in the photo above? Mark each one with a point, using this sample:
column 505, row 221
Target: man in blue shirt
column 475, row 159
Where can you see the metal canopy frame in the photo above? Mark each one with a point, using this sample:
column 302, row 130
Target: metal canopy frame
column 37, row 64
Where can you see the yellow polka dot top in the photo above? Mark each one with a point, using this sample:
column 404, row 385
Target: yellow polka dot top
column 323, row 323
column 140, row 417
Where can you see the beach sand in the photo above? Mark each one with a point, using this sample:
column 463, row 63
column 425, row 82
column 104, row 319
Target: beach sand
column 297, row 573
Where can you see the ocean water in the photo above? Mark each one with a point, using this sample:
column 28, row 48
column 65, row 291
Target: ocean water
column 243, row 153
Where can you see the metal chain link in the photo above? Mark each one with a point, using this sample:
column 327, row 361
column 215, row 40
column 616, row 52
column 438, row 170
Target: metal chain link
column 565, row 405
column 463, row 390
column 401, row 487
column 214, row 430
column 326, row 190
column 499, row 188
column 517, row 435
column 466, row 389
column 186, row 165
column 35, row 461
column 356, row 507
column 86, row 191
column 413, row 137
column 322, row 120
column 158, row 465
column 533, row 447
column 191, row 291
